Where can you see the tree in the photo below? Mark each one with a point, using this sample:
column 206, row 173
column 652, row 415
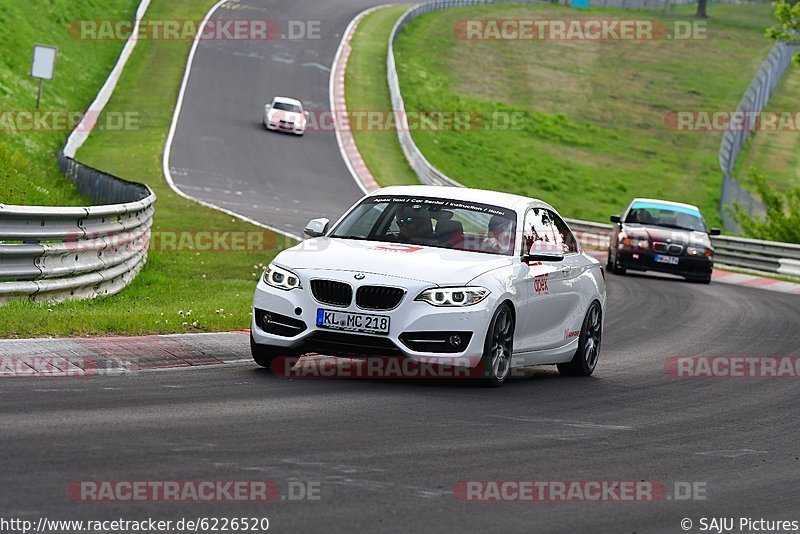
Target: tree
column 702, row 6
column 788, row 30
column 782, row 221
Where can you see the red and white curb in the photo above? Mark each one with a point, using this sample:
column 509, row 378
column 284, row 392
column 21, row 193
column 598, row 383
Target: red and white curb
column 735, row 279
column 749, row 280
column 82, row 357
column 344, row 135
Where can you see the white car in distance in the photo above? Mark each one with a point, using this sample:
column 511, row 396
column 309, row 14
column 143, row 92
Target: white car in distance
column 436, row 274
column 285, row 115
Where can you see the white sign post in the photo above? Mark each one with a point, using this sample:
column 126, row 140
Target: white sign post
column 43, row 66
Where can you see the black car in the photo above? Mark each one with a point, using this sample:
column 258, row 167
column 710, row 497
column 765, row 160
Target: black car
column 657, row 235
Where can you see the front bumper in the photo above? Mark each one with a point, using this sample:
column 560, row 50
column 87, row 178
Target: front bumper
column 642, row 260
column 277, row 127
column 293, row 314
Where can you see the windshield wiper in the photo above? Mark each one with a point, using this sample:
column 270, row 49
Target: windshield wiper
column 358, row 237
column 668, row 225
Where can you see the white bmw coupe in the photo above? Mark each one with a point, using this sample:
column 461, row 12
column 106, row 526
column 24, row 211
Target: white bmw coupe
column 489, row 280
column 285, row 115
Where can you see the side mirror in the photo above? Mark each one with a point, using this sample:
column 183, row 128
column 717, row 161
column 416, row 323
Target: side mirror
column 316, row 227
column 306, row 114
column 543, row 252
column 614, row 218
column 715, row 231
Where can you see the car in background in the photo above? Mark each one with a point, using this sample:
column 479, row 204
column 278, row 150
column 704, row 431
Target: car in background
column 285, row 115
column 658, row 235
column 439, row 275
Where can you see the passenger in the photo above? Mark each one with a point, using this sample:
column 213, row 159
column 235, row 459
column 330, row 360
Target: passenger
column 499, row 237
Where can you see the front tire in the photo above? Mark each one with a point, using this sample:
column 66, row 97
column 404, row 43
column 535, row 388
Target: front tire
column 704, row 280
column 265, row 355
column 498, row 347
column 584, row 361
column 613, row 266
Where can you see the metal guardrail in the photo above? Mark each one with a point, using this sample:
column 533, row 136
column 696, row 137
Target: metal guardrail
column 733, row 140
column 763, row 256
column 63, row 253
column 590, row 234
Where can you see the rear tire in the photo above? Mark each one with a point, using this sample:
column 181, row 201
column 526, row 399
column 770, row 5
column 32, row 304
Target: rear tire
column 498, row 347
column 584, row 361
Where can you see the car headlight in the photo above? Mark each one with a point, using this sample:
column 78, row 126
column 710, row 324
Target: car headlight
column 281, row 278
column 454, row 296
column 632, row 242
column 699, row 251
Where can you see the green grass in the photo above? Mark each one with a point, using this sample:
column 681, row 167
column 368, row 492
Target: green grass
column 28, row 171
column 593, row 131
column 366, row 90
column 776, row 153
column 216, row 286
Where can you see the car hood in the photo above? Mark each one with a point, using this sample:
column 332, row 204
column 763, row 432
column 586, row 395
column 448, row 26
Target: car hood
column 438, row 266
column 666, row 235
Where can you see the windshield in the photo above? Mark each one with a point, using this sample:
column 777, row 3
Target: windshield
column 287, row 107
column 434, row 222
column 654, row 214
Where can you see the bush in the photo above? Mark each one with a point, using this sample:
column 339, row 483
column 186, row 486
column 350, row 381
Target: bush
column 782, row 221
column 788, row 30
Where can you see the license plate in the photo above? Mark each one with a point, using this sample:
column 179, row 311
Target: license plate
column 353, row 322
column 672, row 260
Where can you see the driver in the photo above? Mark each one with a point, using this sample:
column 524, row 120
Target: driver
column 414, row 223
column 641, row 216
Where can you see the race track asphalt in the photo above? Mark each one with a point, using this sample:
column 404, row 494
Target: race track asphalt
column 387, row 454
column 221, row 152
